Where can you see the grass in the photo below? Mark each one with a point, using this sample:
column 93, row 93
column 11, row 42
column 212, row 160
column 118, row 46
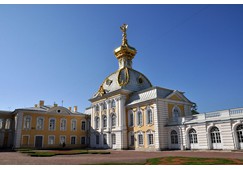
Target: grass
column 193, row 161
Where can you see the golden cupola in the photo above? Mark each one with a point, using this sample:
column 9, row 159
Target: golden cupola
column 125, row 53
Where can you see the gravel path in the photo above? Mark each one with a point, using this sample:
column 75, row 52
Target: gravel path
column 16, row 158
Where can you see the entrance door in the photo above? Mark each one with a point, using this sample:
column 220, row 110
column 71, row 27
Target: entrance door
column 215, row 138
column 239, row 130
column 38, row 141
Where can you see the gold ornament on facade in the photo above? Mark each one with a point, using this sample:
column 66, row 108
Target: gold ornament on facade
column 101, row 91
column 123, row 76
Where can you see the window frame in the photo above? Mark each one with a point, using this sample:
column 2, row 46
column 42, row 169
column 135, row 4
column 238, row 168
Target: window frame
column 83, row 125
column 38, row 127
column 54, row 128
column 25, row 122
column 49, row 143
column 73, row 124
column 113, row 120
column 75, row 141
column 63, row 128
column 139, row 119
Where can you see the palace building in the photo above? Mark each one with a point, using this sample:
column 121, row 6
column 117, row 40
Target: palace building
column 127, row 112
column 44, row 126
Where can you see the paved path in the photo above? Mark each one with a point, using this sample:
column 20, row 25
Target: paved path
column 16, row 158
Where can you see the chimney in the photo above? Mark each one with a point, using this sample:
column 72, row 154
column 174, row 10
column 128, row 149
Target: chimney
column 70, row 108
column 75, row 108
column 36, row 105
column 41, row 103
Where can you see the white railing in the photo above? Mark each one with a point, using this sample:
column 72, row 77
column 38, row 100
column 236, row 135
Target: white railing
column 236, row 111
column 212, row 114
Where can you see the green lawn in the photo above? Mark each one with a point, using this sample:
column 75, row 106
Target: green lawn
column 193, row 161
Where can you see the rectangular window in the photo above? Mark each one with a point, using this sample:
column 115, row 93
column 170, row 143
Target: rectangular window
column 62, row 139
column 83, row 125
column 74, row 125
column 40, row 123
column 140, row 139
column 113, row 138
column 52, row 124
column 151, row 139
column 7, row 124
column 73, row 140
column 97, row 140
column 63, row 125
column 27, row 120
column 51, row 140
column 83, row 140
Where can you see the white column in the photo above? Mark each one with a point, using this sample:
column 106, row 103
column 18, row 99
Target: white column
column 108, row 102
column 100, row 115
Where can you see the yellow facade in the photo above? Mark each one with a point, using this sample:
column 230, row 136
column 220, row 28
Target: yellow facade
column 170, row 109
column 143, row 129
column 29, row 135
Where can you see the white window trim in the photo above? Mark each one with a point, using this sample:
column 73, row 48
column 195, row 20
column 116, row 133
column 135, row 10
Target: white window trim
column 53, row 139
column 26, row 116
column 129, row 118
column 65, row 129
column 149, row 132
column 140, row 133
column 43, row 125
column 75, row 120
column 97, row 123
column 115, row 120
column 179, row 112
column 49, row 128
column 130, row 142
column 147, row 117
column 42, row 139
column 61, row 137
column 138, row 118
column 71, row 139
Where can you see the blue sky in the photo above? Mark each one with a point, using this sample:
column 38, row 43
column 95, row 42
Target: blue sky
column 64, row 52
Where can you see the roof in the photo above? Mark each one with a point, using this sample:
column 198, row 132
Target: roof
column 136, row 81
column 152, row 93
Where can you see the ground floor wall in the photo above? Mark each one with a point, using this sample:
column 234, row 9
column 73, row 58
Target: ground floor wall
column 222, row 135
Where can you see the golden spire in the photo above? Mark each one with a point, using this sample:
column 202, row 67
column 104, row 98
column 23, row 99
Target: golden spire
column 125, row 51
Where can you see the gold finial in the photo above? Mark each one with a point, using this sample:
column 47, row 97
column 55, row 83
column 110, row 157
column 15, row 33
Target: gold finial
column 124, row 35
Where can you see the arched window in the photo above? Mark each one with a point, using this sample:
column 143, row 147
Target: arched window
column 40, row 123
column 113, row 120
column 104, row 121
column 139, row 118
column 131, row 117
column 174, row 137
column 113, row 103
column 7, row 125
column 176, row 113
column 63, row 124
column 1, row 123
column 97, row 108
column 215, row 135
column 52, row 124
column 27, row 122
column 97, row 122
column 149, row 116
column 239, row 131
column 192, row 136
